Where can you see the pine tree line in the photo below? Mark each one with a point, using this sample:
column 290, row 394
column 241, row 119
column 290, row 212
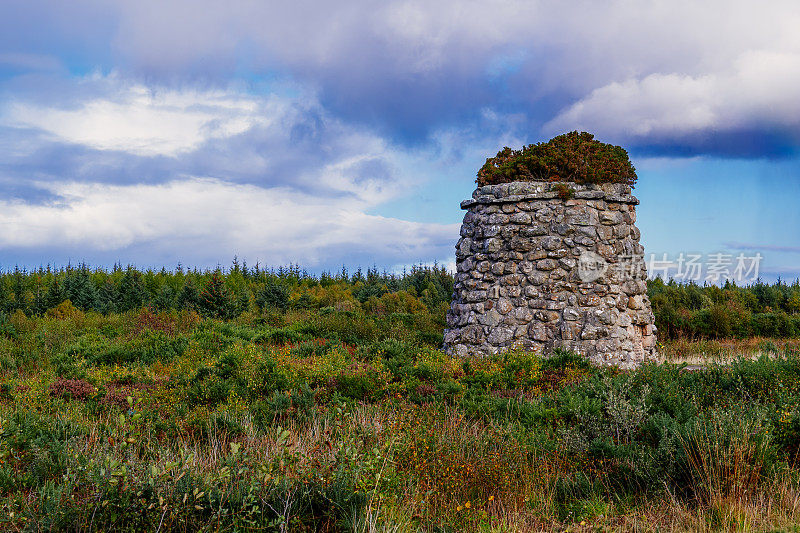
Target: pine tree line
column 221, row 293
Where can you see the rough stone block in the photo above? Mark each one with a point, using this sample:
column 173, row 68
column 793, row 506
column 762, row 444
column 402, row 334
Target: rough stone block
column 520, row 218
column 500, row 336
column 546, row 264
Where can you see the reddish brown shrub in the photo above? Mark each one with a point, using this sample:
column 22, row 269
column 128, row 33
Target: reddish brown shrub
column 425, row 389
column 75, row 389
column 147, row 320
column 117, row 393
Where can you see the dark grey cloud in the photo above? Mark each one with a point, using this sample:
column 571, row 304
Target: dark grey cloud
column 752, row 143
column 689, row 80
column 675, row 80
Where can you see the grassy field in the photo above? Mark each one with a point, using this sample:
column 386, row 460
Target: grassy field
column 725, row 351
column 340, row 420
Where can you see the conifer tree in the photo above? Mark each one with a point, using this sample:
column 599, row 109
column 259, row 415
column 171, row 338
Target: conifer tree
column 131, row 292
column 5, row 296
column 39, row 305
column 19, row 287
column 166, row 297
column 81, row 290
column 273, row 295
column 108, row 297
column 54, row 294
column 189, row 296
column 216, row 300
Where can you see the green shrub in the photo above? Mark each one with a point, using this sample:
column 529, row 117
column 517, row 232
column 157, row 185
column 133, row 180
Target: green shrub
column 347, row 326
column 276, row 336
column 280, row 406
column 398, row 357
column 211, row 339
column 275, row 407
column 145, row 349
column 39, row 443
column 361, row 381
column 8, row 480
column 208, row 389
column 575, row 157
column 268, row 378
column 7, row 329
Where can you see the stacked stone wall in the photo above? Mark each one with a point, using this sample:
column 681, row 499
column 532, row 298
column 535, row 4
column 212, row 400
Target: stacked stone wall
column 546, row 265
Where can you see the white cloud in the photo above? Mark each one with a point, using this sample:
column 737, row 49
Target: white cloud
column 290, row 182
column 143, row 121
column 203, row 219
column 602, row 41
column 759, row 89
column 284, row 138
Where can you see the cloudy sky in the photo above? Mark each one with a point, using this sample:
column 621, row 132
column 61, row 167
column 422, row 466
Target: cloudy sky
column 323, row 133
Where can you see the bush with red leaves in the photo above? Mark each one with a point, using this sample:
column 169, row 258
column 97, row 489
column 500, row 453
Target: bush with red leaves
column 576, row 157
column 147, row 320
column 117, row 393
column 76, row 389
column 117, row 398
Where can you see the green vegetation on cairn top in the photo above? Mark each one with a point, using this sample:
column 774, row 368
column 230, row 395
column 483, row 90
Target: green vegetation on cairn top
column 575, row 157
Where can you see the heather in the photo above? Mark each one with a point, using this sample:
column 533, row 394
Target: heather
column 571, row 157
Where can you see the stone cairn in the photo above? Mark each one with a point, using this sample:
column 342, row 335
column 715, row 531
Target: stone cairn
column 552, row 265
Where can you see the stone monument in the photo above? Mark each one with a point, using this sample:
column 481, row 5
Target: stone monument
column 546, row 265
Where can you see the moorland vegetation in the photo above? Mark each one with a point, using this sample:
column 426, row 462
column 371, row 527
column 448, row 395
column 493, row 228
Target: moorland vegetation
column 279, row 401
